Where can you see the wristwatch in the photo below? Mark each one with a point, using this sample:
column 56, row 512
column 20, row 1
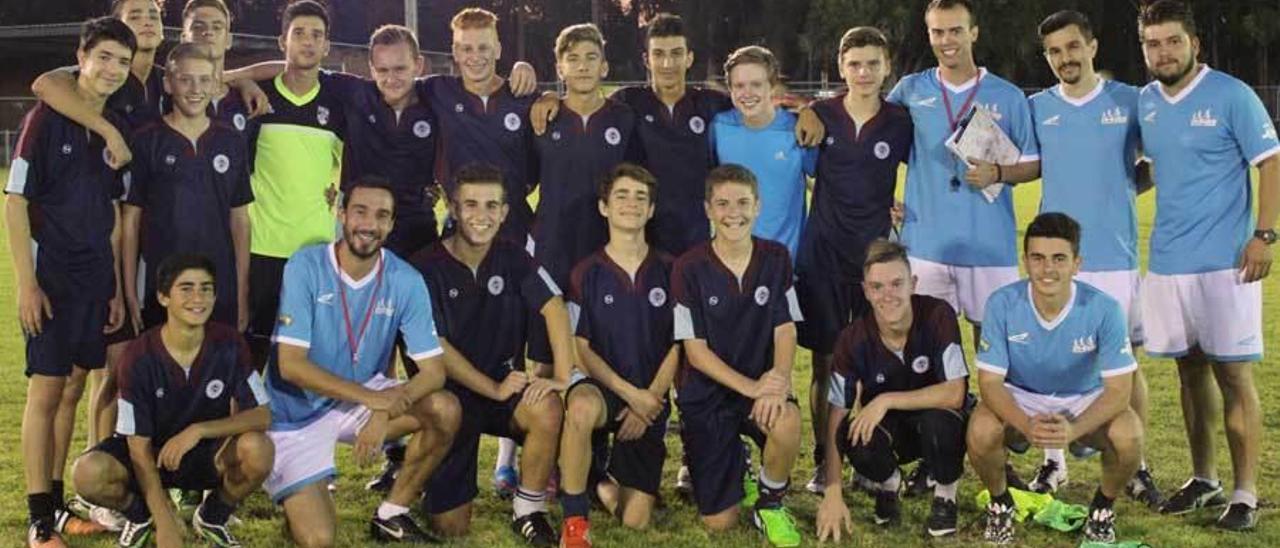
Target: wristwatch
column 1267, row 236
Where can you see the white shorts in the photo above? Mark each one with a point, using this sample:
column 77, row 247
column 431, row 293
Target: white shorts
column 1123, row 286
column 965, row 288
column 1212, row 310
column 1034, row 404
column 305, row 455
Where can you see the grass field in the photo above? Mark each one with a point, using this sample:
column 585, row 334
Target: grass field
column 677, row 524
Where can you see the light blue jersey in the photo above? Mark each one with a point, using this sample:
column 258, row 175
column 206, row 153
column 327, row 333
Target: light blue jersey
column 1069, row 355
column 312, row 317
column 1202, row 143
column 779, row 163
column 1088, row 147
column 955, row 224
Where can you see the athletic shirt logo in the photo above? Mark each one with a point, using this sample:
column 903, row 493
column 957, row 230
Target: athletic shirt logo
column 373, row 119
column 920, row 364
column 697, row 125
column 511, row 121
column 66, row 148
column 608, row 299
column 421, row 129
column 458, row 108
column 879, row 378
column 238, row 121
column 714, row 300
column 170, row 159
column 221, row 163
column 831, row 140
column 881, row 150
column 762, row 295
column 657, row 297
column 453, row 292
column 612, row 136
column 159, row 393
column 648, row 118
column 495, row 285
column 214, row 389
column 322, row 116
column 555, row 136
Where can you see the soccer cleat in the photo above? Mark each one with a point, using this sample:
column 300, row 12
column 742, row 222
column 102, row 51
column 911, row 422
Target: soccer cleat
column 400, row 528
column 505, row 482
column 918, row 482
column 1019, row 446
column 185, row 500
column 1049, row 477
column 778, row 526
column 750, row 491
column 1193, row 495
column 535, row 529
column 942, row 518
column 109, row 519
column 217, row 535
column 888, row 510
column 817, row 483
column 68, row 524
column 42, row 535
column 999, row 524
column 1080, row 450
column 684, row 481
column 385, row 479
column 135, row 535
column 1143, row 489
column 1011, row 478
column 575, row 533
column 1238, row 517
column 1100, row 526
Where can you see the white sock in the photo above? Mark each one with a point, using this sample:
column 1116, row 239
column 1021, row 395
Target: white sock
column 948, row 491
column 893, row 483
column 506, row 453
column 1245, row 497
column 1212, row 482
column 388, row 510
column 1057, row 455
column 769, row 483
column 528, row 502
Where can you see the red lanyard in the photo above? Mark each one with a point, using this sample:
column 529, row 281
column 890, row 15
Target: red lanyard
column 946, row 101
column 354, row 339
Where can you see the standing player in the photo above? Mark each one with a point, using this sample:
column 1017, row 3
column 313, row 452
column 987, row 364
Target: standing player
column 1202, row 297
column 486, row 292
column 1085, row 116
column 192, row 412
column 857, row 171
column 207, row 23
column 760, row 136
column 624, row 339
column 903, row 364
column 66, row 284
column 326, row 377
column 735, row 313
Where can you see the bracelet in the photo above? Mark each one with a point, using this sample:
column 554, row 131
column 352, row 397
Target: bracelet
column 999, row 174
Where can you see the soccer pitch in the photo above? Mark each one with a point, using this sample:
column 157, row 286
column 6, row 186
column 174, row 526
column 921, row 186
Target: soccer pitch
column 676, row 524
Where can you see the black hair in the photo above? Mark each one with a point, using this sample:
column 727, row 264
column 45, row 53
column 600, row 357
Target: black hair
column 101, row 29
column 1063, row 19
column 174, row 265
column 1054, row 225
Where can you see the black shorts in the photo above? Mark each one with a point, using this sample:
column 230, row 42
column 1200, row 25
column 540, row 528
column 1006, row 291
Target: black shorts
column 828, row 305
column 72, row 337
column 265, row 277
column 197, row 471
column 635, row 464
column 711, row 432
column 123, row 334
column 454, row 482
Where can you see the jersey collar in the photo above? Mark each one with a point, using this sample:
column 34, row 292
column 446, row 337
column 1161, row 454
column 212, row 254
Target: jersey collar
column 1097, row 90
column 1204, row 69
column 982, row 73
column 1050, row 325
column 347, row 279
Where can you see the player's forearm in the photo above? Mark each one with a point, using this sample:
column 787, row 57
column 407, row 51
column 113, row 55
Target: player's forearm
column 57, row 88
column 998, row 399
column 296, row 368
column 1116, row 392
column 1020, row 172
column 462, row 371
column 702, row 358
column 561, row 338
column 252, row 420
column 240, row 241
column 666, row 375
column 430, row 378
column 131, row 223
column 18, row 225
column 831, row 458
column 943, row 395
column 1268, row 192
column 147, row 473
column 601, row 371
column 784, row 348
column 265, row 70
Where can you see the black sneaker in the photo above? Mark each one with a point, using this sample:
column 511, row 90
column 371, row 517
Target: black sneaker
column 400, row 528
column 385, row 479
column 216, row 535
column 1100, row 526
column 1049, row 476
column 888, row 511
column 1012, row 480
column 535, row 530
column 1238, row 517
column 1193, row 494
column 135, row 535
column 919, row 482
column 999, row 524
column 942, row 518
column 1143, row 489
column 42, row 534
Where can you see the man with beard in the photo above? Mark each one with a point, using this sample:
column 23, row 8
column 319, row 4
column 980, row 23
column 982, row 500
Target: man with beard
column 1202, row 297
column 341, row 309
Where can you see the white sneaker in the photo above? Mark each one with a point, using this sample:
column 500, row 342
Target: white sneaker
column 684, row 480
column 1051, row 475
column 110, row 519
column 817, row 483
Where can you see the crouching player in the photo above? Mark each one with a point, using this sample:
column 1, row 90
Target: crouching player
column 735, row 313
column 192, row 411
column 1054, row 367
column 903, row 363
column 620, row 306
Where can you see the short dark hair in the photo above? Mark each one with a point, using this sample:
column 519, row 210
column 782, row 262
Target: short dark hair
column 573, row 34
column 174, row 265
column 1063, row 19
column 193, row 5
column 185, row 51
column 390, row 35
column 1054, row 225
column 478, row 173
column 118, row 5
column 861, row 37
column 630, row 171
column 731, row 173
column 303, row 8
column 1167, row 11
column 884, row 251
column 952, row 4
column 754, row 55
column 374, row 182
column 663, row 25
column 101, row 29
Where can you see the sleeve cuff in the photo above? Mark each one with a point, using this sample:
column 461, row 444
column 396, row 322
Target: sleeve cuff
column 984, row 366
column 1028, row 158
column 1133, row 366
column 1265, row 154
column 279, row 339
column 428, row 354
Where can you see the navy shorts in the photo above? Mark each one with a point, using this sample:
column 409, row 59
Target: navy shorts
column 266, row 274
column 196, row 472
column 414, row 231
column 454, row 482
column 635, row 464
column 828, row 305
column 72, row 337
column 711, row 431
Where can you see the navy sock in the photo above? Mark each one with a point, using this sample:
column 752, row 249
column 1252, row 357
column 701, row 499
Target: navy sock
column 137, row 511
column 40, row 506
column 215, row 510
column 57, row 490
column 575, row 504
column 1005, row 498
column 1101, row 501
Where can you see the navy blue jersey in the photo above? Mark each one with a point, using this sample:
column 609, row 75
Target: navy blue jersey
column 400, row 146
column 628, row 322
column 492, row 130
column 856, row 175
column 735, row 317
column 61, row 168
column 932, row 355
column 230, row 110
column 187, row 191
column 485, row 314
column 159, row 398
column 672, row 144
column 138, row 102
column 575, row 154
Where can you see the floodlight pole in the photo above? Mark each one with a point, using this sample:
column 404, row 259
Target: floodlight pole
column 411, row 15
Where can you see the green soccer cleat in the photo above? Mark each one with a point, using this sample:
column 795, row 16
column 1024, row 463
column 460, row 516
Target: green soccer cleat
column 778, row 525
column 750, row 491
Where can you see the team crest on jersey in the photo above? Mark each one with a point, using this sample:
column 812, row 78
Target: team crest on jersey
column 831, row 140
column 458, row 108
column 170, row 159
column 555, row 136
column 1203, row 118
column 713, row 300
column 160, row 392
column 495, row 285
column 66, row 148
column 384, row 307
column 612, row 136
column 657, row 297
column 697, row 125
column 920, row 364
column 762, row 295
column 1114, row 117
column 1083, row 345
column 648, row 118
column 608, row 299
column 880, row 378
column 453, row 292
column 511, row 121
column 322, row 116
column 214, row 389
column 881, row 150
column 421, row 129
column 221, row 163
column 238, row 121
column 992, row 109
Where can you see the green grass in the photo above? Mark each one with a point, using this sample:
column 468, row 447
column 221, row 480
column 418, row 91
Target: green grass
column 677, row 524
